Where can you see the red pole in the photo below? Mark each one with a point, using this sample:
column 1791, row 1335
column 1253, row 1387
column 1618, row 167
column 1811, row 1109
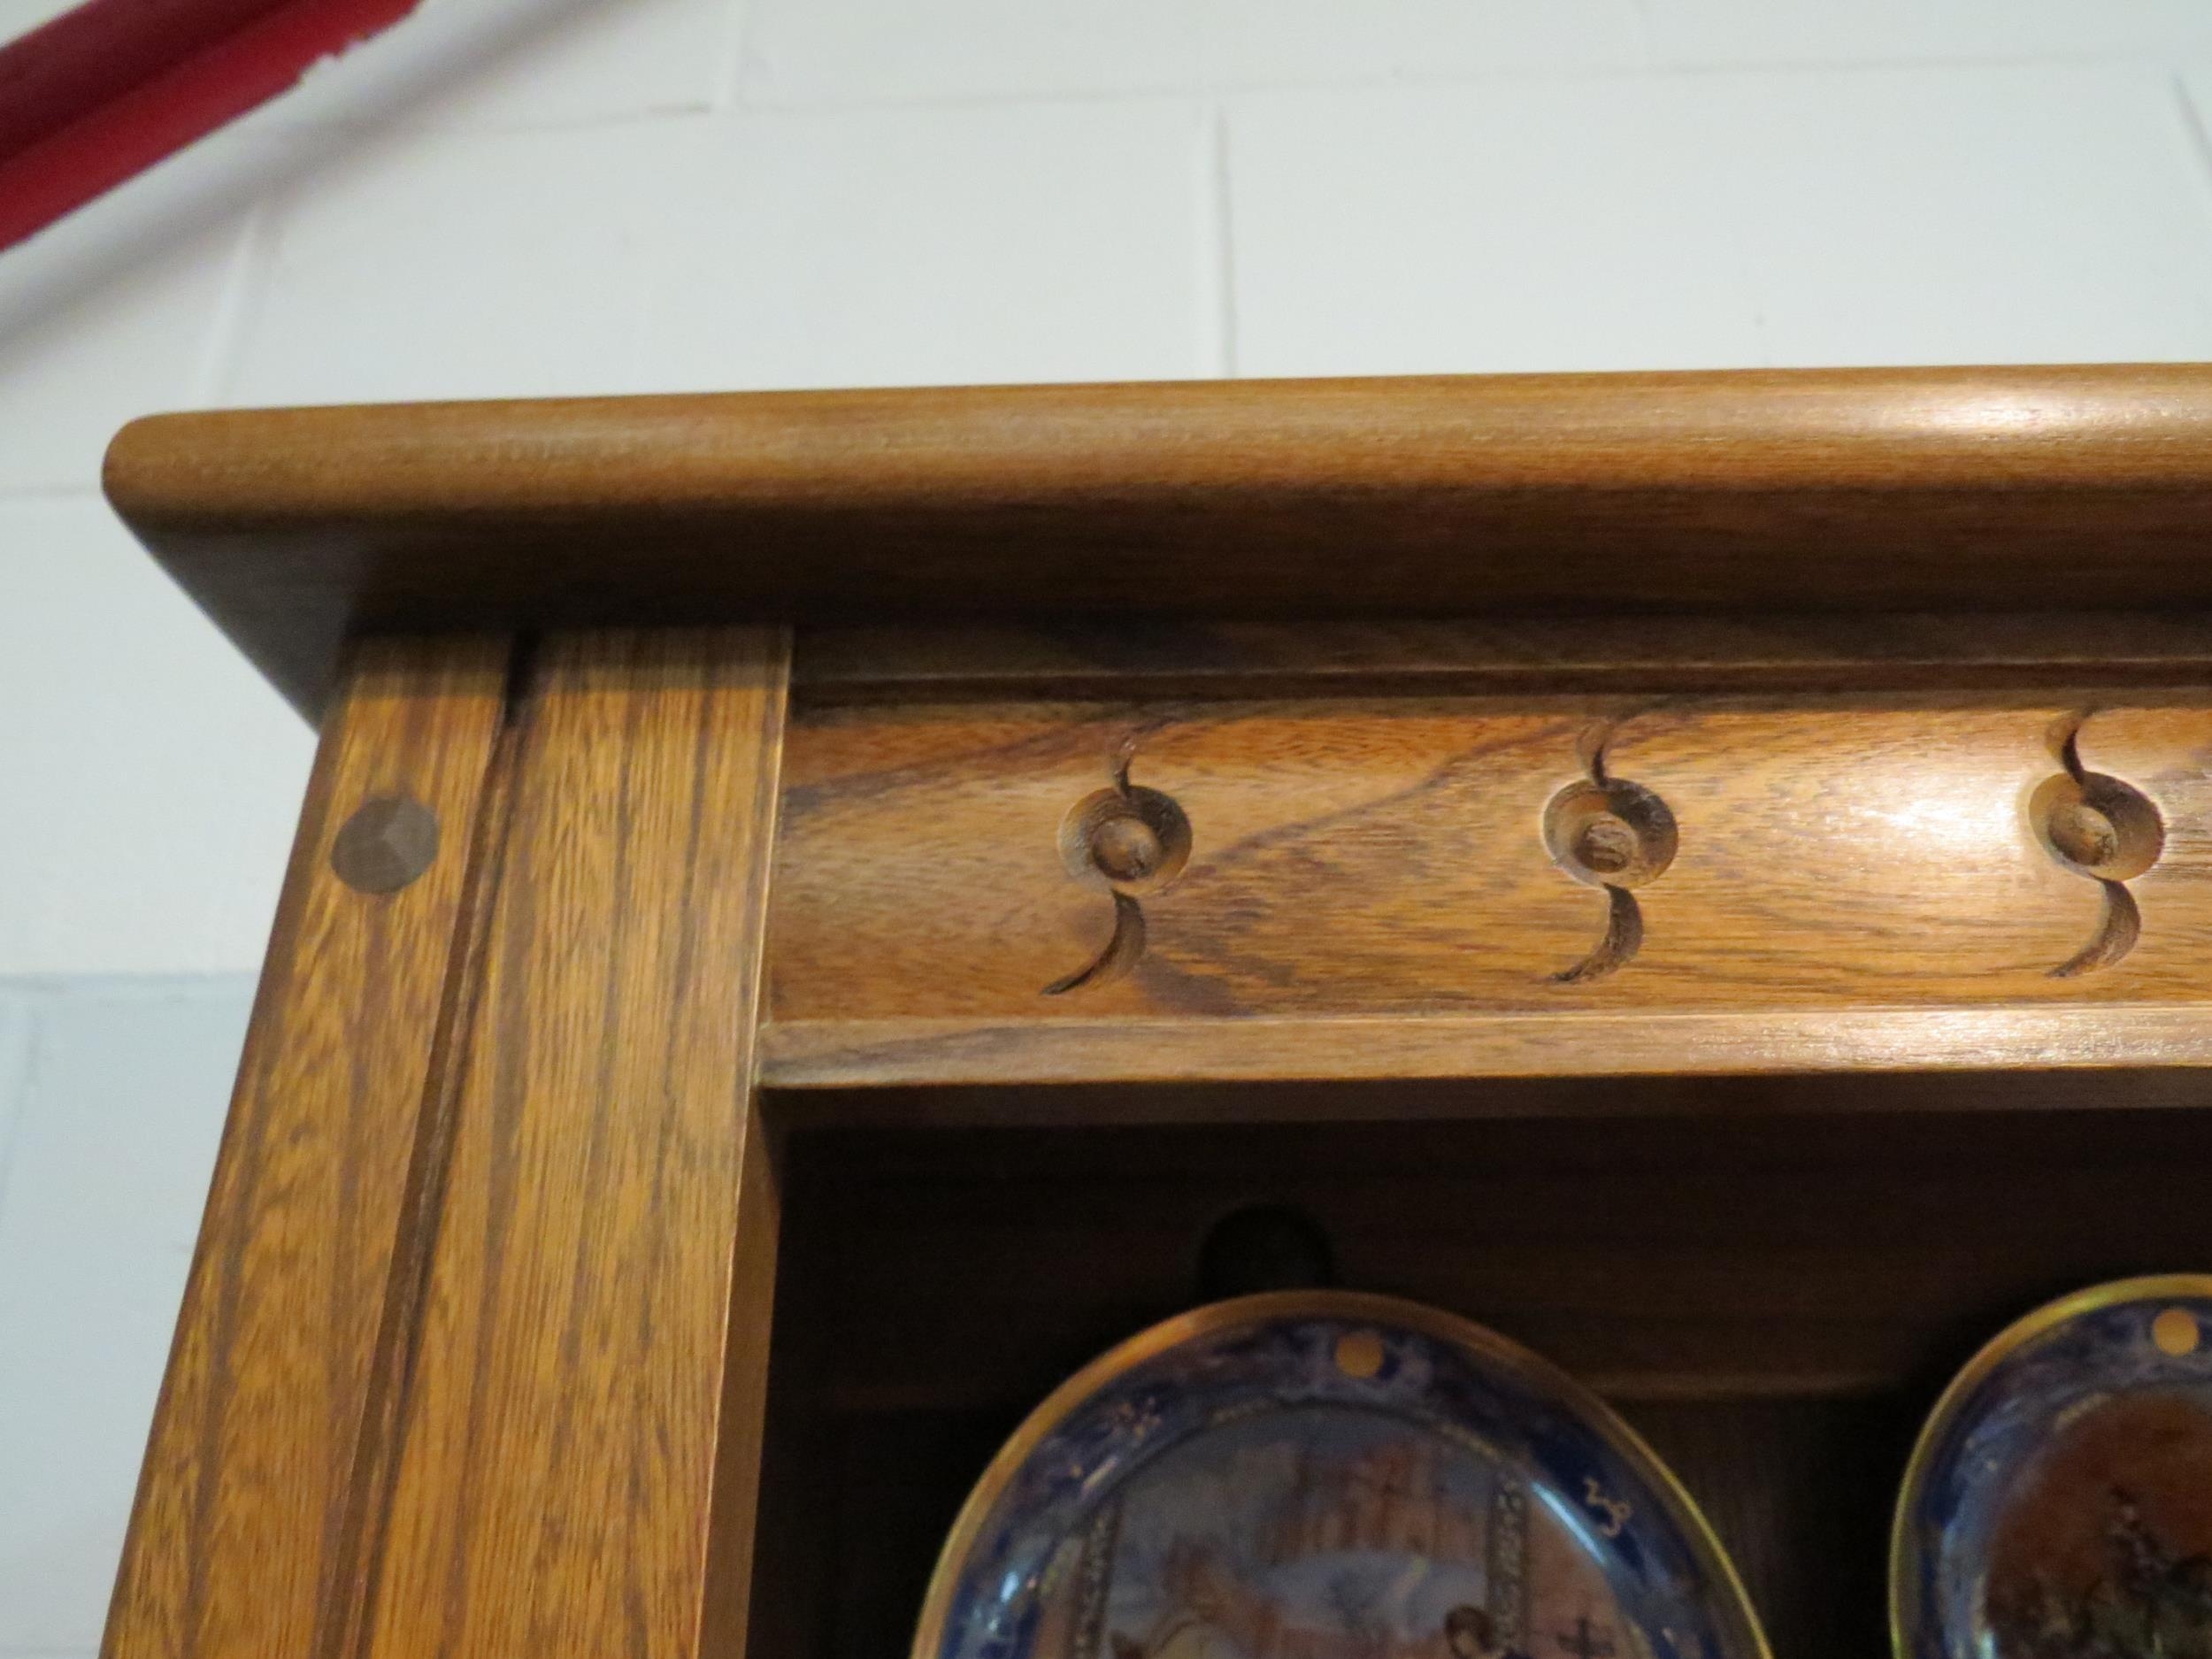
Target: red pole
column 105, row 91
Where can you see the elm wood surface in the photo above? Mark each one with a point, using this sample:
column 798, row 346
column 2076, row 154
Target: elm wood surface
column 1772, row 1092
column 582, row 1432
column 2026, row 488
column 474, row 1354
column 250, row 1526
column 1775, row 1297
column 845, row 1055
column 1799, row 1492
column 1858, row 880
column 1092, row 659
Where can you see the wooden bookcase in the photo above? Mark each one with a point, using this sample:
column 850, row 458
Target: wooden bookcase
column 812, row 907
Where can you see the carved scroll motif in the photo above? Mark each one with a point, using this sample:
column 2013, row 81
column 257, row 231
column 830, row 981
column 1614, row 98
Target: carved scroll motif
column 2103, row 829
column 1133, row 841
column 1614, row 836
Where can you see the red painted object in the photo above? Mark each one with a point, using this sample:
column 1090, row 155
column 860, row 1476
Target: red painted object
column 106, row 90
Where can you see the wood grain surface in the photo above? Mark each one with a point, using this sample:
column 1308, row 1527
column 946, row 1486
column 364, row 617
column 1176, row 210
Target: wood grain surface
column 1191, row 1100
column 2027, row 489
column 582, row 1431
column 1095, row 659
column 249, row 1533
column 1858, row 880
column 1800, row 1493
column 846, row 1056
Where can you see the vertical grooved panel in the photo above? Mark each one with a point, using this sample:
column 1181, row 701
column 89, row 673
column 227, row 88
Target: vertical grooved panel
column 593, row 1347
column 244, row 1534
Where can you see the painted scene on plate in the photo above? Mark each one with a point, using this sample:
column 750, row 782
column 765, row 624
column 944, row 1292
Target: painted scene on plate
column 2102, row 1549
column 1323, row 1533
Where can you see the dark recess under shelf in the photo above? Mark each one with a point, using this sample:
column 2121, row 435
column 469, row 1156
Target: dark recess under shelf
column 1773, row 1297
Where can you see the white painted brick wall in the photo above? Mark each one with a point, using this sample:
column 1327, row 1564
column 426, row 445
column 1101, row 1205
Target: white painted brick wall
column 1051, row 242
column 111, row 1101
column 518, row 196
column 1818, row 216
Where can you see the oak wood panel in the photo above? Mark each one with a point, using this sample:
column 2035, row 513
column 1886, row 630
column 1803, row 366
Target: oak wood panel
column 1091, row 658
column 248, row 1533
column 582, row 1435
column 1770, row 1091
column 1373, row 872
column 1888, row 853
column 845, row 1055
column 2032, row 489
column 1801, row 1493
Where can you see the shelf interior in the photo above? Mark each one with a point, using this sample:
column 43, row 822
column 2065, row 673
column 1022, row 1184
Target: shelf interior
column 1773, row 1289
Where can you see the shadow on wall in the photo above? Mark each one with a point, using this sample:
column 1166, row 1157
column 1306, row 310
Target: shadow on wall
column 219, row 202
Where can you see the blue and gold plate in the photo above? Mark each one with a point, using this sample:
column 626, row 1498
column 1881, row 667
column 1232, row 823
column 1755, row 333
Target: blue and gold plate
column 1319, row 1475
column 2059, row 1504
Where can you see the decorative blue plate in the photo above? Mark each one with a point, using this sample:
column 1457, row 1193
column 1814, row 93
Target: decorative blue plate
column 2059, row 1504
column 1319, row 1475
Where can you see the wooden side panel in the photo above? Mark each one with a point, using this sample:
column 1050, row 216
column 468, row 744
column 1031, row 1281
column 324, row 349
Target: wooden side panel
column 591, row 1373
column 247, row 1530
column 1386, row 859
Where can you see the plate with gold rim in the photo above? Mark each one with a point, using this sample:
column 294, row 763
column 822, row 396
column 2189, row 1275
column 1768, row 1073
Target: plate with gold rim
column 1327, row 1475
column 2059, row 1502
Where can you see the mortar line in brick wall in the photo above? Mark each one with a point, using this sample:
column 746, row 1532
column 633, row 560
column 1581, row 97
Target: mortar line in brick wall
column 245, row 284
column 29, row 494
column 2193, row 124
column 729, row 80
column 22, row 1077
column 1223, row 242
column 1539, row 76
